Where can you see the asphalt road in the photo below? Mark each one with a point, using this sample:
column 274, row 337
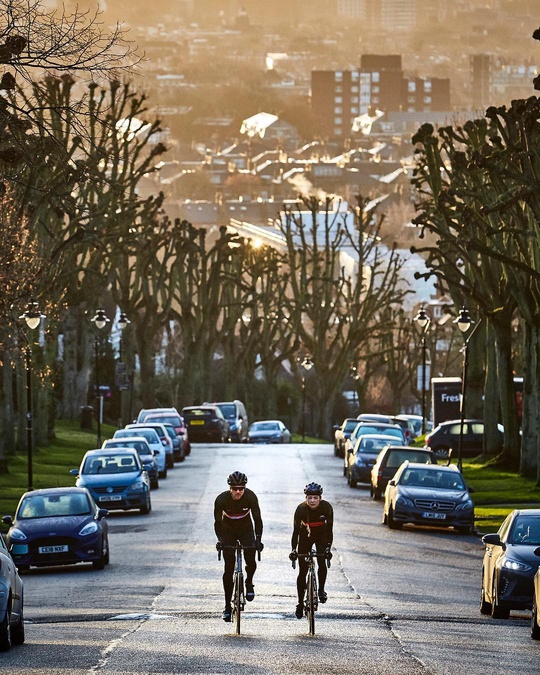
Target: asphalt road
column 399, row 601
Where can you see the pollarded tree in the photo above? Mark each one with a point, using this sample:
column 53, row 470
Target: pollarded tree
column 342, row 278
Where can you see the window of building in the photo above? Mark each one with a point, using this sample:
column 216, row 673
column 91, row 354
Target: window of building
column 375, row 77
column 338, row 76
column 338, row 89
column 411, row 85
column 338, row 120
column 427, row 85
column 338, row 99
column 375, row 99
column 354, row 110
column 427, row 99
column 354, row 88
column 355, row 76
column 338, row 109
column 338, row 131
column 411, row 99
column 375, row 89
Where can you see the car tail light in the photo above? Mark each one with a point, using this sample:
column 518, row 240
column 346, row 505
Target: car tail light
column 428, row 441
column 379, row 474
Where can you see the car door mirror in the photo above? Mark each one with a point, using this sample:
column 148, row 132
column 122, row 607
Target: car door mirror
column 470, row 489
column 392, row 482
column 350, row 451
column 493, row 540
column 74, row 472
column 102, row 513
column 537, row 551
column 8, row 520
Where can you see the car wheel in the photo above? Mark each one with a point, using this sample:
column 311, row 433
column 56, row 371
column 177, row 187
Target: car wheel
column 155, row 484
column 5, row 631
column 147, row 507
column 17, row 631
column 336, row 451
column 498, row 610
column 344, row 470
column 188, row 449
column 376, row 495
column 100, row 563
column 182, row 455
column 442, row 452
column 485, row 606
column 468, row 529
column 384, row 518
column 23, row 568
column 170, row 462
column 535, row 628
column 163, row 474
column 351, row 481
column 107, row 556
column 392, row 523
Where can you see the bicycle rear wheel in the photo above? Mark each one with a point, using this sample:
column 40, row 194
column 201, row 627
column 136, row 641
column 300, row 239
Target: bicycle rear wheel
column 311, row 592
column 238, row 595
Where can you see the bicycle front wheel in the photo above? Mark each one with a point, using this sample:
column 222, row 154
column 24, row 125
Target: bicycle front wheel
column 310, row 604
column 237, row 600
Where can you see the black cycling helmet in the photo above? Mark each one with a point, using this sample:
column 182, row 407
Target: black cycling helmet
column 237, row 478
column 313, row 489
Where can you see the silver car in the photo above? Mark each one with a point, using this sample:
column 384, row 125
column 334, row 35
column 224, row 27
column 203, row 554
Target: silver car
column 11, row 601
column 428, row 494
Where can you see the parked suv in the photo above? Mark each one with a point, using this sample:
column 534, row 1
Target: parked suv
column 390, row 459
column 206, row 423
column 235, row 414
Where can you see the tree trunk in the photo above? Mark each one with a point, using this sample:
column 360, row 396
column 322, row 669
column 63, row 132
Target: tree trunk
column 531, row 420
column 76, row 363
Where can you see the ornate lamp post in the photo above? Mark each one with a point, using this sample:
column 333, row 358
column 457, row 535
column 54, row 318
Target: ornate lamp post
column 464, row 322
column 33, row 317
column 100, row 320
column 423, row 320
column 306, row 364
column 355, row 376
column 124, row 380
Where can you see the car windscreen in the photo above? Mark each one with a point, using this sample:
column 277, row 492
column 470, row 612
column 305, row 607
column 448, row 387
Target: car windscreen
column 170, row 431
column 54, row 506
column 149, row 434
column 109, row 464
column 526, row 531
column 198, row 412
column 349, row 426
column 140, row 446
column 265, row 426
column 373, row 445
column 440, row 480
column 397, row 457
column 228, row 410
column 175, row 420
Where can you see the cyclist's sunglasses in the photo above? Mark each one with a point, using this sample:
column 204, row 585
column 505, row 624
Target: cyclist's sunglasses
column 237, row 488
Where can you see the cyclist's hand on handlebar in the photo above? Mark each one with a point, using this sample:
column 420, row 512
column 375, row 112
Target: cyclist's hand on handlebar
column 259, row 545
column 219, row 546
column 293, row 555
column 328, row 554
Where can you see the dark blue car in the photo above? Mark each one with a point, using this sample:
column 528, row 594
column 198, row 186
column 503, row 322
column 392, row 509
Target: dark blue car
column 58, row 526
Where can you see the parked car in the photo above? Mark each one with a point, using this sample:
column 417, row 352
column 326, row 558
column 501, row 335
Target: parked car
column 388, row 419
column 363, row 428
column 206, row 423
column 176, row 440
column 116, row 479
column 390, row 459
column 428, row 494
column 58, row 526
column 415, row 424
column 236, row 415
column 342, row 433
column 445, row 437
column 510, row 563
column 145, row 412
column 535, row 626
column 177, row 422
column 146, row 455
column 363, row 456
column 11, row 600
column 164, row 438
column 269, row 431
column 152, row 438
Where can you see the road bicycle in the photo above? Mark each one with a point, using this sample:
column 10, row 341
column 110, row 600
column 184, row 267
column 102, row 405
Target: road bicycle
column 311, row 602
column 238, row 595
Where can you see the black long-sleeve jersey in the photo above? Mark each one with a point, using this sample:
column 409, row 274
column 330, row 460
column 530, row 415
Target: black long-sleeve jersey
column 313, row 525
column 236, row 514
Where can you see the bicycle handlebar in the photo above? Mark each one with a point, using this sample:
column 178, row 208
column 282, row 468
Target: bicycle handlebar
column 238, row 546
column 309, row 556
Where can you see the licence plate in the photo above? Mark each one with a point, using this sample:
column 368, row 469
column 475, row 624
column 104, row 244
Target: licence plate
column 110, row 498
column 434, row 516
column 193, row 422
column 53, row 549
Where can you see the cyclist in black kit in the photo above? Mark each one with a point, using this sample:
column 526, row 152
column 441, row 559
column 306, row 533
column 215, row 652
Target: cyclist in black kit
column 313, row 524
column 235, row 512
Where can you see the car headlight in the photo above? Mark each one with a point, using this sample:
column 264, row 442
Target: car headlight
column 403, row 501
column 515, row 565
column 17, row 535
column 137, row 486
column 466, row 506
column 90, row 528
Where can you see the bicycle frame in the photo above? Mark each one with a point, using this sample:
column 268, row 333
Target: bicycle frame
column 238, row 595
column 311, row 602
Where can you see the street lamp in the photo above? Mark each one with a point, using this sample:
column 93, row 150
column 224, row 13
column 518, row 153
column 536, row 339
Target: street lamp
column 100, row 320
column 423, row 320
column 123, row 380
column 355, row 375
column 33, row 317
column 464, row 322
column 306, row 364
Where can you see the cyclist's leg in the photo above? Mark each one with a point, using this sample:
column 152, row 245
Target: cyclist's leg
column 322, row 571
column 247, row 538
column 229, row 559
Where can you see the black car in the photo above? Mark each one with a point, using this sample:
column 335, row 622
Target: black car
column 445, row 438
column 362, row 457
column 390, row 459
column 510, row 563
column 206, row 423
column 58, row 526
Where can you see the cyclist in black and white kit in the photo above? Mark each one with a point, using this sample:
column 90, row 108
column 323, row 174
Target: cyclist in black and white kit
column 313, row 525
column 236, row 512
